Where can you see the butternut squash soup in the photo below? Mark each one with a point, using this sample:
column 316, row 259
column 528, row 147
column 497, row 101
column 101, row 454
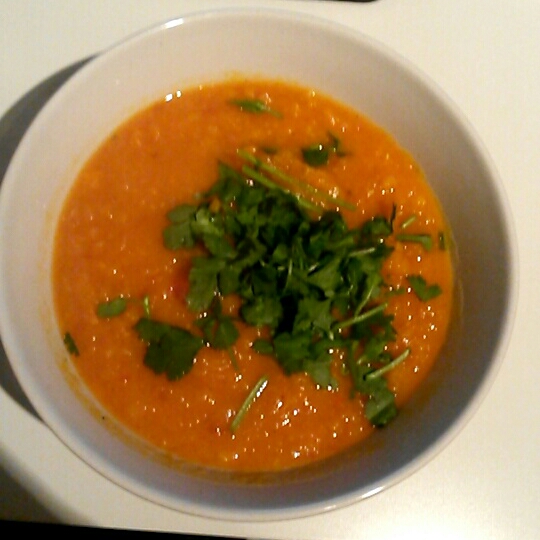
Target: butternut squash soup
column 252, row 276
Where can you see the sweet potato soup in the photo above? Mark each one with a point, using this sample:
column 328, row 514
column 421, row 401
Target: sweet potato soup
column 252, row 276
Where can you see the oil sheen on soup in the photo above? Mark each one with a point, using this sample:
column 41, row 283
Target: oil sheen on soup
column 202, row 264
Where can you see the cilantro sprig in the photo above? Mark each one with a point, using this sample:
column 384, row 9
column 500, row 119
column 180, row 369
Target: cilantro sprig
column 70, row 344
column 253, row 394
column 311, row 281
column 255, row 106
column 171, row 350
column 318, row 154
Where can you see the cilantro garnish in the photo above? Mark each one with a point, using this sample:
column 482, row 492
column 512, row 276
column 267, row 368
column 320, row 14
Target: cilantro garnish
column 272, row 171
column 171, row 350
column 178, row 233
column 318, row 154
column 254, row 393
column 70, row 344
column 442, row 241
column 219, row 330
column 300, row 272
column 424, row 240
column 424, row 291
column 112, row 308
column 311, row 281
column 117, row 306
column 255, row 106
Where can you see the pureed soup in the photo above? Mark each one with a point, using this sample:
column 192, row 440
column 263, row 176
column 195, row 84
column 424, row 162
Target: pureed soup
column 252, row 276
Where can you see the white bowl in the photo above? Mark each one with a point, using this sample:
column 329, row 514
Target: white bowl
column 351, row 68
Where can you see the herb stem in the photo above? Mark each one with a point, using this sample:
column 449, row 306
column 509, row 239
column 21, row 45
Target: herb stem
column 232, row 356
column 146, row 306
column 424, row 239
column 365, row 300
column 265, row 181
column 362, row 317
column 389, row 367
column 361, row 253
column 408, row 221
column 254, row 393
column 275, row 171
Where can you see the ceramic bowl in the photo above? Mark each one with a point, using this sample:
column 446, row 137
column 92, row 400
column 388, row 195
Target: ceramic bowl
column 353, row 69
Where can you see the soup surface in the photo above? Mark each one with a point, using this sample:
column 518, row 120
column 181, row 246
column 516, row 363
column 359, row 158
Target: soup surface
column 236, row 407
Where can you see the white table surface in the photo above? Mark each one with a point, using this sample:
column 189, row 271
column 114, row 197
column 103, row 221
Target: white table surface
column 486, row 484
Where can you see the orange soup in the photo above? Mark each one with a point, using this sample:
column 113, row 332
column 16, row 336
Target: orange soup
column 277, row 368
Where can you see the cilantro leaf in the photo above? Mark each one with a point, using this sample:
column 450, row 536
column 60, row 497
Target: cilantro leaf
column 219, row 246
column 316, row 155
column 218, row 329
column 320, row 371
column 70, row 344
column 263, row 346
column 112, row 308
column 422, row 290
column 300, row 272
column 203, row 280
column 178, row 234
column 292, row 349
column 256, row 106
column 313, row 315
column 171, row 350
column 229, row 184
column 327, row 278
column 377, row 227
column 262, row 310
column 205, row 222
column 380, row 408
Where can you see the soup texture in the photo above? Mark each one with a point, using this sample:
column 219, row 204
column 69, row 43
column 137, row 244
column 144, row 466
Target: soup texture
column 252, row 276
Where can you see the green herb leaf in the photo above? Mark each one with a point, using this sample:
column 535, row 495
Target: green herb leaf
column 112, row 308
column 179, row 234
column 381, row 408
column 171, row 350
column 203, row 279
column 314, row 315
column 218, row 329
column 318, row 154
column 320, row 371
column 255, row 106
column 263, row 346
column 70, row 344
column 261, row 311
column 315, row 285
column 337, row 145
column 442, row 241
column 422, row 290
column 291, row 350
column 315, row 155
column 424, row 240
column 328, row 277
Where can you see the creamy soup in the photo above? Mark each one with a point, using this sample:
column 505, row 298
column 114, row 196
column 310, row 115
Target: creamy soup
column 146, row 211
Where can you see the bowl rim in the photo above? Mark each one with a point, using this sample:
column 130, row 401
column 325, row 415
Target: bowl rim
column 97, row 462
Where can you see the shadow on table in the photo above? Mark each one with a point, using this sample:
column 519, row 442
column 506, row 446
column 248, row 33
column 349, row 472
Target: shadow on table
column 15, row 502
column 13, row 126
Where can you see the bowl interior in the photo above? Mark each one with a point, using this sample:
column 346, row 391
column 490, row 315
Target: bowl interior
column 351, row 68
